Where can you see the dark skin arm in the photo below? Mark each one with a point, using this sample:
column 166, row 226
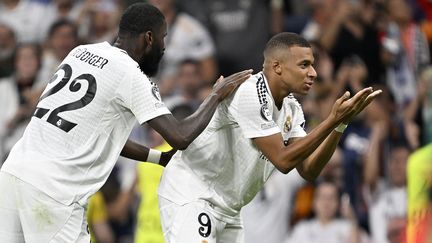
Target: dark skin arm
column 311, row 153
column 179, row 134
column 135, row 151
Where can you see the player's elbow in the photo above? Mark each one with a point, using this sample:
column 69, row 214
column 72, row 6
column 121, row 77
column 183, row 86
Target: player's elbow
column 308, row 175
column 284, row 167
column 180, row 143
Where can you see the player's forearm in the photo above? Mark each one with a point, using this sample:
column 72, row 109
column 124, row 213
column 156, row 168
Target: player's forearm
column 301, row 149
column 135, row 151
column 193, row 125
column 312, row 166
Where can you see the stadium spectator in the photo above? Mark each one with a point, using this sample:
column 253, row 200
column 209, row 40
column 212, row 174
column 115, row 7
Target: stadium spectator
column 259, row 129
column 15, row 92
column 322, row 13
column 189, row 82
column 240, row 30
column 80, row 128
column 417, row 115
column 388, row 212
column 405, row 53
column 420, row 195
column 7, row 47
column 351, row 32
column 62, row 38
column 325, row 226
column 98, row 221
column 187, row 39
column 62, row 9
column 26, row 18
column 98, row 20
column 356, row 143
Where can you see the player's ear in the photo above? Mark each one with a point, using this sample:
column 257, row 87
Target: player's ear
column 147, row 39
column 277, row 68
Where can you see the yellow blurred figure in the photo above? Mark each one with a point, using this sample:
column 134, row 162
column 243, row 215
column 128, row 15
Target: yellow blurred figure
column 419, row 205
column 148, row 229
column 97, row 218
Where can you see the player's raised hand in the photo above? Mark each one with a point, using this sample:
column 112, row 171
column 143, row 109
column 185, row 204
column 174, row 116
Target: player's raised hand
column 225, row 86
column 346, row 108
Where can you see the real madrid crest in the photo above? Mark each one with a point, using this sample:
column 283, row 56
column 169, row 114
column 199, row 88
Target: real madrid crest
column 265, row 112
column 287, row 124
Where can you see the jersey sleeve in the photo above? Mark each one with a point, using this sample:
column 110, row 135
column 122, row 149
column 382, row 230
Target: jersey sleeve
column 141, row 96
column 299, row 119
column 253, row 113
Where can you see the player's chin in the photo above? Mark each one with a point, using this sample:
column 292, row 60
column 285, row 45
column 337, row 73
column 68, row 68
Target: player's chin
column 304, row 91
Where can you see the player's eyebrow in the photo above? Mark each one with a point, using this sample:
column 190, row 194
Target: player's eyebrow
column 306, row 61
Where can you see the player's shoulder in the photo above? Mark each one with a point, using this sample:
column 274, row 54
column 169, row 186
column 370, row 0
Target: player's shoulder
column 108, row 51
column 254, row 85
column 292, row 101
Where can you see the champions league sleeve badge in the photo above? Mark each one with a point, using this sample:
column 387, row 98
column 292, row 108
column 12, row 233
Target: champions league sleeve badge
column 155, row 92
column 265, row 112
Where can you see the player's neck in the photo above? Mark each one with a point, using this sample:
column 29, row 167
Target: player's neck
column 277, row 92
column 127, row 45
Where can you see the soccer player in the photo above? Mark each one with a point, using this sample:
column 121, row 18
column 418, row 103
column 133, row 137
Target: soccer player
column 254, row 131
column 81, row 126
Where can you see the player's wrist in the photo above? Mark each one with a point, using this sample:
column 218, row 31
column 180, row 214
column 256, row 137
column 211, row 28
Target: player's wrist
column 154, row 156
column 341, row 127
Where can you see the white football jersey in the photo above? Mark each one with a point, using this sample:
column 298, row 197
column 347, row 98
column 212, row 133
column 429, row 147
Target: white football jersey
column 82, row 122
column 223, row 165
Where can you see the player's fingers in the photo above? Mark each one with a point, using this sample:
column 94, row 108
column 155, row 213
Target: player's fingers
column 361, row 95
column 218, row 81
column 240, row 78
column 370, row 98
column 240, row 74
column 344, row 97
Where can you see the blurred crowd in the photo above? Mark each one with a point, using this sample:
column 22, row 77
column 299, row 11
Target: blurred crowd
column 363, row 194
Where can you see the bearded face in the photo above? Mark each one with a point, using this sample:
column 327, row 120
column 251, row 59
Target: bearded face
column 149, row 62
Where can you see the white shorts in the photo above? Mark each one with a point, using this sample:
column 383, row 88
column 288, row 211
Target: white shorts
column 198, row 222
column 29, row 215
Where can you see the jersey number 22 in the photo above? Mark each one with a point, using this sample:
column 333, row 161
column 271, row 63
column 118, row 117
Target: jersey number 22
column 74, row 86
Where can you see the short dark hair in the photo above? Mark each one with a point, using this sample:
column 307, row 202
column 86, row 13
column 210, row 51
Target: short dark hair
column 139, row 18
column 286, row 40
